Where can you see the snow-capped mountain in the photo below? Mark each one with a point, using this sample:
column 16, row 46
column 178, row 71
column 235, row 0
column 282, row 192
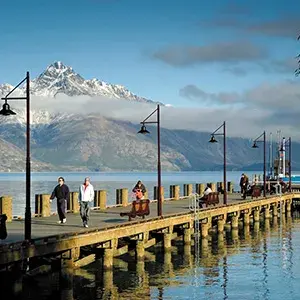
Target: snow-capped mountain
column 61, row 79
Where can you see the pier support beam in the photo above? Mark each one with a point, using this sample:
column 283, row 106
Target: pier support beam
column 204, row 230
column 140, row 250
column 108, row 259
column 288, row 205
column 235, row 221
column 246, row 218
column 167, row 241
column 221, row 223
column 275, row 211
column 267, row 212
column 256, row 226
column 187, row 236
column 256, row 214
column 283, row 207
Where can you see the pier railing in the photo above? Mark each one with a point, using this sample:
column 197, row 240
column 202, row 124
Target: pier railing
column 43, row 204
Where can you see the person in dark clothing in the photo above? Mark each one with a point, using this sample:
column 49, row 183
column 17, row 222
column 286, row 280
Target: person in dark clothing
column 62, row 194
column 244, row 181
column 138, row 189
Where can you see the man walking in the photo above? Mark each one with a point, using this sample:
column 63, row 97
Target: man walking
column 86, row 195
column 62, row 194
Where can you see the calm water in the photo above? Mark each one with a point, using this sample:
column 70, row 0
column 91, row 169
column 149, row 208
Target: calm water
column 43, row 183
column 261, row 264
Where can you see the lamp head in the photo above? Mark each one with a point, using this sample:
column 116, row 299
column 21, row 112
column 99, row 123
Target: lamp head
column 6, row 111
column 212, row 139
column 143, row 130
column 254, row 145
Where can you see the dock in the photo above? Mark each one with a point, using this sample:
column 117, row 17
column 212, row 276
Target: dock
column 111, row 236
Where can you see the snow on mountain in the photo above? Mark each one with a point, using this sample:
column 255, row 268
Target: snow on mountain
column 61, row 79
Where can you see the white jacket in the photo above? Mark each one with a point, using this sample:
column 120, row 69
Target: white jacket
column 86, row 195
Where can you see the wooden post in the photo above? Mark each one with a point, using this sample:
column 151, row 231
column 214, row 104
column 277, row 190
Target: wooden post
column 146, row 195
column 187, row 189
column 122, row 197
column 6, row 207
column 172, row 191
column 102, row 198
column 74, row 201
column 200, row 187
column 213, row 186
column 176, row 192
column 42, row 205
column 162, row 193
column 124, row 194
column 230, row 187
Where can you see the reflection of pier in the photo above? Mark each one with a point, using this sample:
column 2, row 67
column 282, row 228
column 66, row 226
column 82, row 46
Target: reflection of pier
column 162, row 270
column 135, row 246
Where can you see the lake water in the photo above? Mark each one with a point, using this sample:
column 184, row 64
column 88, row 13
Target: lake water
column 43, row 183
column 261, row 264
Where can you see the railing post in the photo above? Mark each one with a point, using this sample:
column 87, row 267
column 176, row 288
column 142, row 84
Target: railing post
column 122, row 197
column 230, row 187
column 162, row 193
column 200, row 187
column 42, row 205
column 187, row 189
column 100, row 199
column 6, row 207
column 213, row 186
column 74, row 202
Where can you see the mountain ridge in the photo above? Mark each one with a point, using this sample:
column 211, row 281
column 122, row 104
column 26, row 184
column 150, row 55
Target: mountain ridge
column 58, row 79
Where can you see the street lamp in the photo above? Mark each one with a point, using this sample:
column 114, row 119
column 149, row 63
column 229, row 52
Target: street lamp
column 6, row 111
column 288, row 143
column 213, row 140
column 255, row 146
column 144, row 130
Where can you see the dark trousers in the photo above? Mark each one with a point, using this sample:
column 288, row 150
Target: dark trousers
column 84, row 211
column 61, row 208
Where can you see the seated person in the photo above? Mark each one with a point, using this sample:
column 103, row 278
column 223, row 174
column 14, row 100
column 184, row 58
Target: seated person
column 139, row 190
column 207, row 191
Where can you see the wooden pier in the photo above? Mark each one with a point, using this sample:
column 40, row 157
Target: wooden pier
column 111, row 236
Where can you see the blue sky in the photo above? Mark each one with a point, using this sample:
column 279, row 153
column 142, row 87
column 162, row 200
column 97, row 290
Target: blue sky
column 178, row 52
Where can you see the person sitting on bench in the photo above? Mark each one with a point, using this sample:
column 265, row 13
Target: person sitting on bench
column 139, row 190
column 204, row 197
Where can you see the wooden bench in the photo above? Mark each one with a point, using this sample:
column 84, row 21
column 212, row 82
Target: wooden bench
column 212, row 199
column 140, row 208
column 256, row 192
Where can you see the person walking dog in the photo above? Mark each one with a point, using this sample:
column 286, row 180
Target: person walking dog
column 62, row 194
column 86, row 195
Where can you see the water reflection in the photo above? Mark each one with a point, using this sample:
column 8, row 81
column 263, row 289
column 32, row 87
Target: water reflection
column 263, row 264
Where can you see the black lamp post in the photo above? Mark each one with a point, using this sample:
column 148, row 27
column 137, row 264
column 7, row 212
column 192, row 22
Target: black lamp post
column 288, row 143
column 145, row 131
column 255, row 146
column 213, row 140
column 6, row 111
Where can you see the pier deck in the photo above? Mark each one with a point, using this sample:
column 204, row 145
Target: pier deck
column 43, row 227
column 111, row 236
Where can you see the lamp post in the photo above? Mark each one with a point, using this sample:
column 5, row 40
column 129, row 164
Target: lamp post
column 288, row 143
column 213, row 140
column 145, row 131
column 6, row 111
column 255, row 146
